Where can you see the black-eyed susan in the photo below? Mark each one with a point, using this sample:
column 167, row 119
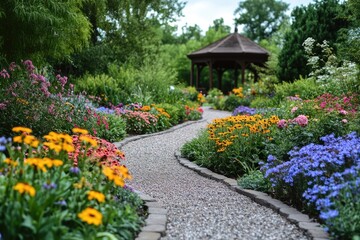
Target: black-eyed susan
column 88, row 139
column 22, row 130
column 91, row 216
column 10, row 162
column 98, row 196
column 24, row 188
column 80, row 130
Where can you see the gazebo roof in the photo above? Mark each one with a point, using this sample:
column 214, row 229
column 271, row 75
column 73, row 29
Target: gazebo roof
column 231, row 48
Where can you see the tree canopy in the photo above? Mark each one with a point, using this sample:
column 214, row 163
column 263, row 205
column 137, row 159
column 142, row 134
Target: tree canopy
column 322, row 21
column 261, row 18
column 42, row 29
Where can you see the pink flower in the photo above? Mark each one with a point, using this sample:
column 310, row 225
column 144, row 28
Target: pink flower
column 344, row 120
column 301, row 120
column 323, row 104
column 4, row 74
column 343, row 112
column 2, row 106
column 282, row 123
column 294, row 109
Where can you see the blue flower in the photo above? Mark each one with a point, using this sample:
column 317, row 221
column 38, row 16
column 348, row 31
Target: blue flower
column 329, row 214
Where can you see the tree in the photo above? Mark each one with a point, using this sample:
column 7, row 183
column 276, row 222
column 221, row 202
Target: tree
column 41, row 29
column 321, row 21
column 261, row 18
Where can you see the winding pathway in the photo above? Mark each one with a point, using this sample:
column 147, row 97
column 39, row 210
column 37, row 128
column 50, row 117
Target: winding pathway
column 198, row 207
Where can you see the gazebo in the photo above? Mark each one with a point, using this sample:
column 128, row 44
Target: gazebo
column 231, row 52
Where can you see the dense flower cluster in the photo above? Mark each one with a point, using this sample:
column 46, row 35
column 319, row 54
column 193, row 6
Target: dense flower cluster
column 43, row 185
column 300, row 120
column 244, row 110
column 343, row 105
column 330, row 172
column 223, row 131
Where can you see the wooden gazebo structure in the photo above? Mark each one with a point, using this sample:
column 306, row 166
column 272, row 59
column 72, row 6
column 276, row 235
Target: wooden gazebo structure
column 231, row 52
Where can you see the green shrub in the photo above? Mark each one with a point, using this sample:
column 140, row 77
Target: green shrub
column 254, row 180
column 174, row 110
column 148, row 83
column 304, row 88
column 102, row 86
column 198, row 149
column 190, row 93
column 116, row 130
column 213, row 95
column 262, row 102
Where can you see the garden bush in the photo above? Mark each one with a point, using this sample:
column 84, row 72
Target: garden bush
column 71, row 187
column 254, row 180
column 102, row 86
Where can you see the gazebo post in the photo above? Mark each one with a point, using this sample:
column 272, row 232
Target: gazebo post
column 236, row 75
column 197, row 75
column 211, row 75
column 220, row 73
column 192, row 74
column 243, row 72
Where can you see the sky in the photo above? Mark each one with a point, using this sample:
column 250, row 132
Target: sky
column 204, row 12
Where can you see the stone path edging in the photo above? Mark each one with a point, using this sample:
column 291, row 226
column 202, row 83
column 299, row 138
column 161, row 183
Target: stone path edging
column 312, row 229
column 155, row 223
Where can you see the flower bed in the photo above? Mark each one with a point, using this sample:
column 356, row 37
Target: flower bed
column 65, row 187
column 308, row 153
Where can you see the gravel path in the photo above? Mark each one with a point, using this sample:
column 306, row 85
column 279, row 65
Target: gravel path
column 198, row 207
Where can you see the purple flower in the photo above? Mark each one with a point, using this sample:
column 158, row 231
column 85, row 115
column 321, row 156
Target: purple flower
column 61, row 203
column 49, row 186
column 75, row 170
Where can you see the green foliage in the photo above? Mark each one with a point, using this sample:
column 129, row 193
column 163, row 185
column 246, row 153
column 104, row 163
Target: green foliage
column 147, row 84
column 198, row 149
column 254, row 180
column 44, row 29
column 261, row 18
column 213, row 95
column 116, row 130
column 304, row 88
column 262, row 102
column 102, row 86
column 233, row 101
column 319, row 20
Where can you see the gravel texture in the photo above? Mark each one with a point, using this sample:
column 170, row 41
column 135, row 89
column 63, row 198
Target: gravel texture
column 198, row 207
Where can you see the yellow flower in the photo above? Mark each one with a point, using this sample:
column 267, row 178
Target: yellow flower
column 88, row 139
column 109, row 173
column 57, row 162
column 10, row 162
column 31, row 140
column 22, row 129
column 97, row 196
column 37, row 162
column 80, row 130
column 18, row 139
column 80, row 184
column 91, row 216
column 25, row 188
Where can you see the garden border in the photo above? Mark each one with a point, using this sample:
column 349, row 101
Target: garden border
column 303, row 221
column 156, row 220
